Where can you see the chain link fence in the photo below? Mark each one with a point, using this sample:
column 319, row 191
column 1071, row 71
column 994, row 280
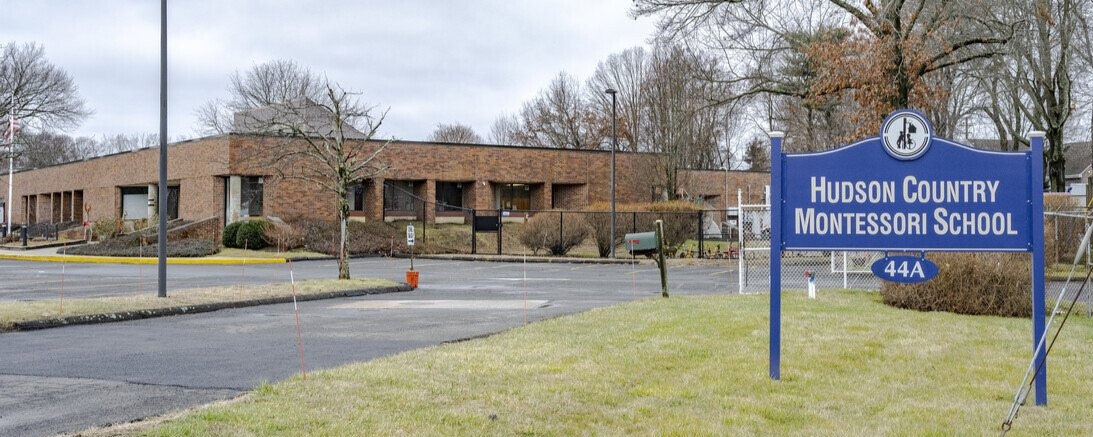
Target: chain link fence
column 829, row 269
column 1063, row 232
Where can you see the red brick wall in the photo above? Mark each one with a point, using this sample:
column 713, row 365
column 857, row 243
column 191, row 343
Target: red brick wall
column 194, row 164
column 199, row 167
column 543, row 168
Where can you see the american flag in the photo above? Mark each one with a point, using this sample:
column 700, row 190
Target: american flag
column 12, row 129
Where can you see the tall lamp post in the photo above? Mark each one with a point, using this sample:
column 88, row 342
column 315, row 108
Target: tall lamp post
column 161, row 199
column 614, row 146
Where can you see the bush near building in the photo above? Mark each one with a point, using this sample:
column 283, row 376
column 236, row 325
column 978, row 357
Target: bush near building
column 680, row 222
column 185, row 239
column 247, row 234
column 252, row 235
column 598, row 217
column 106, row 228
column 552, row 232
column 230, row 232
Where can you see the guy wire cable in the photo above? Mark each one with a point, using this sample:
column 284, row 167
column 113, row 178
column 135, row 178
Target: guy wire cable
column 1035, row 365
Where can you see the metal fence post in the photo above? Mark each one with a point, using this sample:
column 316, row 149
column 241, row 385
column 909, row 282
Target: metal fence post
column 701, row 236
column 474, row 232
column 561, row 231
column 500, row 225
column 846, row 267
column 740, row 240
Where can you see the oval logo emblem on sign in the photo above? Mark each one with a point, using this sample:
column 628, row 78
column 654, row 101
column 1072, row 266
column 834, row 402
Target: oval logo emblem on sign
column 905, row 269
column 906, row 134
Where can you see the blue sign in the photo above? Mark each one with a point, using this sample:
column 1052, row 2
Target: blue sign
column 865, row 196
column 906, row 190
column 905, row 269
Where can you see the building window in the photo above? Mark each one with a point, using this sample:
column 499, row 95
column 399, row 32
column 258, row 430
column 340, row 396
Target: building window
column 399, row 196
column 449, row 196
column 250, row 204
column 134, row 203
column 355, row 197
column 514, row 197
column 172, row 202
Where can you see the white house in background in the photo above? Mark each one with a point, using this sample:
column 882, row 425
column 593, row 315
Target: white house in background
column 1079, row 167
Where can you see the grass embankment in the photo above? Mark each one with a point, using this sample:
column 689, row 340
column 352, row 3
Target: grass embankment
column 21, row 311
column 1059, row 272
column 689, row 366
column 229, row 252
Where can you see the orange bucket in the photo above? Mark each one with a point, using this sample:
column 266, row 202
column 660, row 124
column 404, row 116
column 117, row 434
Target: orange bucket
column 411, row 278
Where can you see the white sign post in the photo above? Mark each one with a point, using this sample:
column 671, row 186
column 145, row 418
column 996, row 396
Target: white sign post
column 410, row 242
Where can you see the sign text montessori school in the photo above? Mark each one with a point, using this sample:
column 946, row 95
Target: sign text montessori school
column 909, row 191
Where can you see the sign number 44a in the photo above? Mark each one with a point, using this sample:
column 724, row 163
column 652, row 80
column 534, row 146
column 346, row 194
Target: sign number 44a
column 905, row 269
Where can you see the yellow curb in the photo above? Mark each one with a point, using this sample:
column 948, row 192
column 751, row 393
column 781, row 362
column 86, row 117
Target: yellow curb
column 147, row 260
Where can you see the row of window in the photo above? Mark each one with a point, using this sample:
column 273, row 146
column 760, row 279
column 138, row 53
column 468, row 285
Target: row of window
column 397, row 196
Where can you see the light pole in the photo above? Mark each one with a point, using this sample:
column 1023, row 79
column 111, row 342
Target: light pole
column 162, row 197
column 614, row 146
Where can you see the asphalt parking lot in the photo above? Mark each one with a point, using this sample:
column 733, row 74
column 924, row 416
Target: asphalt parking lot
column 69, row 379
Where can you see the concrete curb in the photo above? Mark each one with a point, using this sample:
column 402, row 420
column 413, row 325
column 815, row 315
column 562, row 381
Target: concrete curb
column 90, row 319
column 145, row 260
column 518, row 259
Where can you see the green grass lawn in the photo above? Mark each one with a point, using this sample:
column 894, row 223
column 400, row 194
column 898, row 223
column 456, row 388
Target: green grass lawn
column 689, row 366
column 12, row 312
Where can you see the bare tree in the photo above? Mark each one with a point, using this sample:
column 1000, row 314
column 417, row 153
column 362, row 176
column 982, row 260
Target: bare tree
column 317, row 142
column 126, row 142
column 455, row 133
column 884, row 63
column 683, row 122
column 506, row 131
column 41, row 149
column 1035, row 78
column 45, row 96
column 270, row 83
column 560, row 118
column 624, row 72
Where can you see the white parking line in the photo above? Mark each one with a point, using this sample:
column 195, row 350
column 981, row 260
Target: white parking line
column 512, row 304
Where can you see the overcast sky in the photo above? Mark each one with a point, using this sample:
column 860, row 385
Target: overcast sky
column 429, row 61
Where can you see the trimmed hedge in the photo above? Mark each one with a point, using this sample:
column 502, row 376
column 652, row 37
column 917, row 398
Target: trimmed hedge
column 252, row 235
column 230, row 232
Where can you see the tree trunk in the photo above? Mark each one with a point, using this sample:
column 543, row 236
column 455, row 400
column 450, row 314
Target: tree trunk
column 1055, row 165
column 343, row 248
